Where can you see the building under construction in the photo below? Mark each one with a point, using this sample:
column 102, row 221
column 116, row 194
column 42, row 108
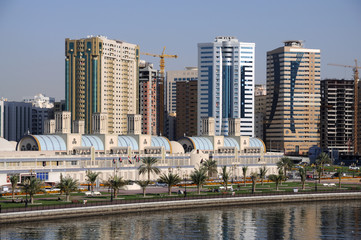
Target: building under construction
column 337, row 115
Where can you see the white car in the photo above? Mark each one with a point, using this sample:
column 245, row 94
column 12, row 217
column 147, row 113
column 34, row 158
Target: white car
column 354, row 168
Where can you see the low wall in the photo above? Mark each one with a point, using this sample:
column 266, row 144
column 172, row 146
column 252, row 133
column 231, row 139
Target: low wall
column 170, row 205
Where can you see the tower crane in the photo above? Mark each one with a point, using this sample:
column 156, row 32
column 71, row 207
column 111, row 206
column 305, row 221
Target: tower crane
column 356, row 104
column 160, row 90
column 162, row 63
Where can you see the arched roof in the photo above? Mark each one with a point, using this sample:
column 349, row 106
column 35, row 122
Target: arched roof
column 256, row 142
column 127, row 141
column 5, row 145
column 230, row 142
column 176, row 147
column 201, row 143
column 159, row 141
column 92, row 141
column 50, row 142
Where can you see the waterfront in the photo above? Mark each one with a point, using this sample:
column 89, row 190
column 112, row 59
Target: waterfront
column 321, row 220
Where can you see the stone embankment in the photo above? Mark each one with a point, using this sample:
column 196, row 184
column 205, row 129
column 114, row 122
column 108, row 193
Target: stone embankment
column 170, row 205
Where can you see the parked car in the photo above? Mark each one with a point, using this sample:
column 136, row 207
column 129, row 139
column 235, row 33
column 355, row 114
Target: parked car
column 353, row 168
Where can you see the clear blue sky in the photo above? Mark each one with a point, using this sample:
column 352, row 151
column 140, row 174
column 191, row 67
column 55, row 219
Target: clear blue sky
column 33, row 33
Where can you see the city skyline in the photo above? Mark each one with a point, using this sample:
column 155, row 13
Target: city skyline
column 35, row 34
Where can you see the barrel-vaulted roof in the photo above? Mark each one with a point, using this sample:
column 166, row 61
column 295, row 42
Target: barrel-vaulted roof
column 50, row 142
column 230, row 142
column 160, row 141
column 92, row 141
column 201, row 143
column 128, row 141
column 256, row 142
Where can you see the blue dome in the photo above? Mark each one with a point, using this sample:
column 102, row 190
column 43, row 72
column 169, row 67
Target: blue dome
column 50, row 142
column 230, row 142
column 161, row 142
column 92, row 141
column 127, row 141
column 256, row 142
column 201, row 143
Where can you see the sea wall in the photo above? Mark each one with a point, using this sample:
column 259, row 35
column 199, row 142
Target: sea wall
column 169, row 205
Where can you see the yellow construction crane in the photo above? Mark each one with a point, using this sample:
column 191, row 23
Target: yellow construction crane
column 356, row 104
column 162, row 64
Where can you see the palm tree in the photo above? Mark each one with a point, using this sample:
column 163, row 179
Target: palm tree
column 210, row 166
column 170, row 179
column 199, row 177
column 277, row 178
column 323, row 159
column 148, row 166
column 225, row 176
column 285, row 164
column 262, row 173
column 32, row 186
column 303, row 175
column 68, row 185
column 254, row 177
column 91, row 178
column 244, row 170
column 115, row 183
column 14, row 179
column 339, row 172
column 143, row 185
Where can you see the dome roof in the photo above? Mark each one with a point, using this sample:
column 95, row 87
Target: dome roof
column 50, row 142
column 201, row 143
column 126, row 141
column 5, row 145
column 159, row 141
column 92, row 141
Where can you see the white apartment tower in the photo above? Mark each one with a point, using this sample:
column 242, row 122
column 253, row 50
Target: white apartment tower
column 226, row 69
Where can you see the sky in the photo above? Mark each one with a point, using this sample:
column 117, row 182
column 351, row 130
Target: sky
column 33, row 34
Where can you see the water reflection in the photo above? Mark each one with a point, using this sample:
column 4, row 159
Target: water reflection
column 328, row 220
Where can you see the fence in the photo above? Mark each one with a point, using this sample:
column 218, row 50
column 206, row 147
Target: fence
column 169, row 198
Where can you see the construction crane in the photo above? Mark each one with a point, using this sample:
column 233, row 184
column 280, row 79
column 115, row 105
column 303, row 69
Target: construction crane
column 356, row 102
column 160, row 90
column 162, row 64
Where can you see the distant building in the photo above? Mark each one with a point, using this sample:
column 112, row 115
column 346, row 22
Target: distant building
column 148, row 97
column 39, row 116
column 337, row 115
column 15, row 119
column 59, row 106
column 226, row 84
column 186, row 108
column 41, row 101
column 190, row 74
column 101, row 76
column 260, row 99
column 293, row 98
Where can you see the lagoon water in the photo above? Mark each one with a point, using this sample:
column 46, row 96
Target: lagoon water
column 316, row 220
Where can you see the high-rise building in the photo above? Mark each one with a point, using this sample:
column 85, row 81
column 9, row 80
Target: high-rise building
column 189, row 74
column 226, row 84
column 337, row 115
column 293, row 98
column 260, row 99
column 101, row 76
column 148, row 78
column 15, row 119
column 186, row 120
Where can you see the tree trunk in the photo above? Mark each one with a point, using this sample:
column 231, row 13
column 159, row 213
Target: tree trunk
column 199, row 189
column 339, row 183
column 244, row 180
column 143, row 192
column 148, row 176
column 169, row 190
column 31, row 199
column 303, row 185
column 319, row 178
column 262, row 181
column 253, row 187
column 13, row 194
column 67, row 197
column 115, row 193
column 277, row 185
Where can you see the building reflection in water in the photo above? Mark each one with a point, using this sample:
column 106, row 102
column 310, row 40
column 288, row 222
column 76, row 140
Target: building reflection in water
column 333, row 220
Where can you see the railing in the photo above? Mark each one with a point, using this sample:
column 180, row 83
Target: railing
column 164, row 197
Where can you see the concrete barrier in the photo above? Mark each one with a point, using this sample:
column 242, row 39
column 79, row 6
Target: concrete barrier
column 170, row 205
